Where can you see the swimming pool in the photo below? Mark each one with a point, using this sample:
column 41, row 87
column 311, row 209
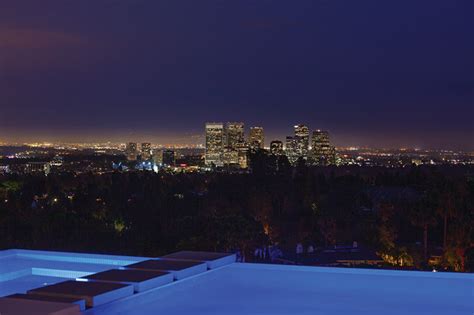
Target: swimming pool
column 241, row 288
column 22, row 270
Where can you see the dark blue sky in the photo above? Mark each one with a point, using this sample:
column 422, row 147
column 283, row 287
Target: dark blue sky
column 384, row 73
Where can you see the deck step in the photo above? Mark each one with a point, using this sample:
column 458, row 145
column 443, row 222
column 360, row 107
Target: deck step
column 141, row 280
column 213, row 260
column 94, row 293
column 15, row 306
column 179, row 268
column 59, row 299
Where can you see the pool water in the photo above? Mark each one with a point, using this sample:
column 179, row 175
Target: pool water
column 23, row 270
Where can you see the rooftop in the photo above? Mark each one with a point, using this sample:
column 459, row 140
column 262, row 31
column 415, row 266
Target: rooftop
column 72, row 283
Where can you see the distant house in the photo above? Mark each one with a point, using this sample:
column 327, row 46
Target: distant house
column 335, row 256
column 346, row 256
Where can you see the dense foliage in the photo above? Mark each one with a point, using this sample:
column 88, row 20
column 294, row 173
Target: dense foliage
column 407, row 214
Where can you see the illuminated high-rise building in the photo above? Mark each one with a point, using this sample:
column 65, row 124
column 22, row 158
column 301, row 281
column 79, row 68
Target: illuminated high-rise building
column 291, row 149
column 214, row 144
column 158, row 157
column 131, row 151
column 236, row 149
column 234, row 134
column 243, row 154
column 302, row 141
column 230, row 157
column 322, row 152
column 146, row 151
column 276, row 147
column 168, row 157
column 256, row 138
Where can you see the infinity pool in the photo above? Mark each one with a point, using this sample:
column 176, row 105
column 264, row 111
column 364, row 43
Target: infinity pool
column 238, row 288
column 22, row 270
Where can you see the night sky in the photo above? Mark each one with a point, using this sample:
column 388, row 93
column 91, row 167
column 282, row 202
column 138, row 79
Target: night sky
column 372, row 72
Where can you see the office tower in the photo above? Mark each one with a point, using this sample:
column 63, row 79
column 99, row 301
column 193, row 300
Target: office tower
column 234, row 134
column 291, row 149
column 234, row 141
column 302, row 140
column 168, row 157
column 243, row 154
column 230, row 157
column 322, row 152
column 158, row 157
column 256, row 138
column 146, row 151
column 214, row 144
column 131, row 151
column 276, row 147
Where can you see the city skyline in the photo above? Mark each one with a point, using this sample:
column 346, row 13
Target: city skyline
column 244, row 132
column 239, row 157
column 198, row 140
column 134, row 72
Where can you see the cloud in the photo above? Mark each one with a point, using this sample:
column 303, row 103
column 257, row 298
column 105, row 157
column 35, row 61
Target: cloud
column 37, row 39
column 30, row 49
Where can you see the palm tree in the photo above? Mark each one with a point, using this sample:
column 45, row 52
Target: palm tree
column 446, row 209
column 423, row 216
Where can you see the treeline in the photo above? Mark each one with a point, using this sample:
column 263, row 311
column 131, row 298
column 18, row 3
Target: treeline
column 413, row 217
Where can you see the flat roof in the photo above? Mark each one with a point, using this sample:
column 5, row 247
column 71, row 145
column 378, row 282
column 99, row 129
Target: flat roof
column 242, row 288
column 266, row 289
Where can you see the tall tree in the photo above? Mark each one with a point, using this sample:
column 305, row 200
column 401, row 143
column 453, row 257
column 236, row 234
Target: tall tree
column 422, row 215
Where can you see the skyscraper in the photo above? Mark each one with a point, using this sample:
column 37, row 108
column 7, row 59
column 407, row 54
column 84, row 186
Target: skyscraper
column 235, row 152
column 230, row 157
column 146, row 152
column 276, row 147
column 291, row 149
column 234, row 134
column 158, row 157
column 168, row 157
column 256, row 138
column 243, row 154
column 131, row 151
column 302, row 141
column 322, row 152
column 214, row 143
